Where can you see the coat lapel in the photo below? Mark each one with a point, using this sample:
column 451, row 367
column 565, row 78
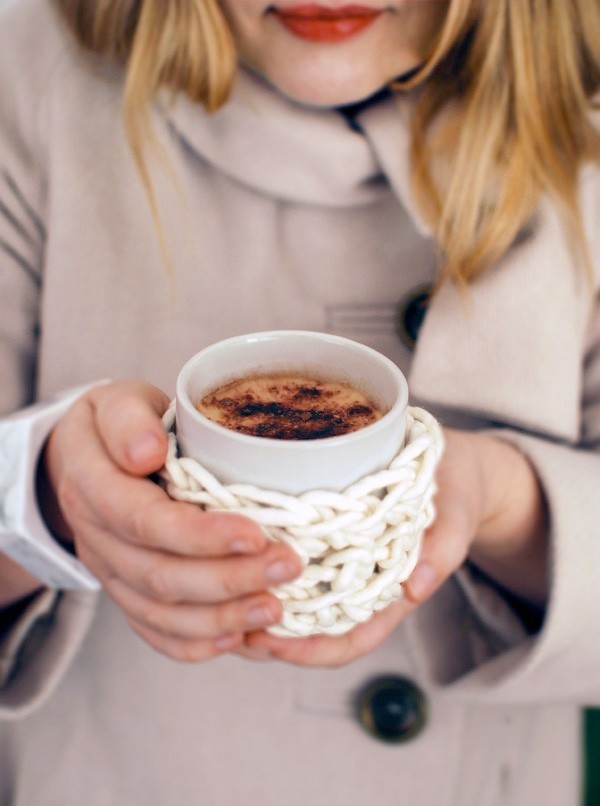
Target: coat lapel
column 510, row 350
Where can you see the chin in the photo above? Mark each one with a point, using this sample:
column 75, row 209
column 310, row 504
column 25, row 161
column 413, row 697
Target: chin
column 331, row 98
column 326, row 93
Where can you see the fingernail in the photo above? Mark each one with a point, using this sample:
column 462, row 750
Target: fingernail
column 260, row 616
column 422, row 581
column 280, row 571
column 144, row 447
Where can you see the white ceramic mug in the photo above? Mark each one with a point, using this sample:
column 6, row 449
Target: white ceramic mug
column 291, row 466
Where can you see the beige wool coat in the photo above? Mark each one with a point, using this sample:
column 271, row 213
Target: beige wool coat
column 285, row 217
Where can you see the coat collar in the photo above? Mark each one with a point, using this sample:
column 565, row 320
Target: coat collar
column 511, row 351
column 386, row 127
column 277, row 147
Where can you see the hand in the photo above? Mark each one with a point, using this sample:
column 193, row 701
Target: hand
column 190, row 583
column 489, row 508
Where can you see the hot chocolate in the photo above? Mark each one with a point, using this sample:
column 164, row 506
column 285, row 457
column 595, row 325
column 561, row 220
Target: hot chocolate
column 289, row 406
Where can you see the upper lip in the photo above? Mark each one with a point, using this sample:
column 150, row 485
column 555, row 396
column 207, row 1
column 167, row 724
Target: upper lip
column 309, row 10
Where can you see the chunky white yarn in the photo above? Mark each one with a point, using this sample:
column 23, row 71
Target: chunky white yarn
column 358, row 546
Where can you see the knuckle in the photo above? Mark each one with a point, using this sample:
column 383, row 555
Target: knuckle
column 159, row 580
column 123, row 400
column 107, row 394
column 79, row 407
column 232, row 582
column 154, row 525
column 227, row 619
column 190, row 651
column 167, row 517
column 137, row 524
column 154, row 616
column 451, row 557
column 69, row 497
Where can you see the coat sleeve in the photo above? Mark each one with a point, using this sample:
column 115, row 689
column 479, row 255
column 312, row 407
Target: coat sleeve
column 560, row 661
column 36, row 648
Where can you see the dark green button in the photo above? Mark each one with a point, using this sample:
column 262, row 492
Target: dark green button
column 392, row 708
column 410, row 314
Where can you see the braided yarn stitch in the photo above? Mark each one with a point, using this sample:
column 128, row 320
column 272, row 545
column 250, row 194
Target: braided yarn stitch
column 358, row 545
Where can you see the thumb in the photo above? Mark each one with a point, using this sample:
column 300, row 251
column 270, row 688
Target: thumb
column 128, row 418
column 445, row 547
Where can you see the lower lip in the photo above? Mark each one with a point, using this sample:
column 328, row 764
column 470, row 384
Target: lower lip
column 319, row 27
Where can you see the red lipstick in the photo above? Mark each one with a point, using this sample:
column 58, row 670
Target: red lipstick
column 325, row 24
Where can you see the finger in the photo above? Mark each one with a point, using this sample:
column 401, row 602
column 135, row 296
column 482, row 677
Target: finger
column 139, row 511
column 260, row 655
column 158, row 522
column 187, row 651
column 332, row 651
column 195, row 622
column 172, row 579
column 128, row 419
column 445, row 548
column 93, row 489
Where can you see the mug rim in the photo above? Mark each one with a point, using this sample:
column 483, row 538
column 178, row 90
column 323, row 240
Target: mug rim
column 183, row 399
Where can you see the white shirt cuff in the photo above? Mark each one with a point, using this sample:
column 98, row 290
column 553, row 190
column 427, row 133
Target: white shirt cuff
column 24, row 535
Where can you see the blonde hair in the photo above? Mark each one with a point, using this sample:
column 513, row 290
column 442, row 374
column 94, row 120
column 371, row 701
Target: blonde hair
column 502, row 114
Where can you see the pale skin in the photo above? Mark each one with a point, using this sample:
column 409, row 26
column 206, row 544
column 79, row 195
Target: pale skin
column 195, row 585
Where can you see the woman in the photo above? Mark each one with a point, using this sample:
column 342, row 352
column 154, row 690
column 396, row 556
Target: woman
column 346, row 158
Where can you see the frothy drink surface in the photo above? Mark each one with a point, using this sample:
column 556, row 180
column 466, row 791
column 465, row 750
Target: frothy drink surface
column 289, row 406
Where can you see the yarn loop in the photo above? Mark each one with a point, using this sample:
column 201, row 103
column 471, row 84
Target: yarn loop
column 358, row 546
